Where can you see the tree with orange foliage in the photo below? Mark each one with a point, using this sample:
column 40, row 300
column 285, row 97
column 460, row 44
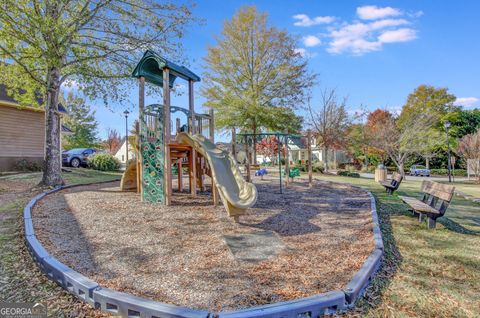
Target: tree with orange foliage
column 398, row 141
column 268, row 147
column 113, row 141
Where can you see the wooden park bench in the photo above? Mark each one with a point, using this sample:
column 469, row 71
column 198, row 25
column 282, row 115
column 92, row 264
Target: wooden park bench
column 392, row 185
column 435, row 201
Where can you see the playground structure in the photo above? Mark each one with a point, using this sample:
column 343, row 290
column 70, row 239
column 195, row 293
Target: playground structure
column 192, row 146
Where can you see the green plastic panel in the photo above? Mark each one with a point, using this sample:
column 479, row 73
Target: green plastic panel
column 153, row 158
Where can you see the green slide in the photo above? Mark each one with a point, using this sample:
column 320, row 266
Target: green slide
column 237, row 195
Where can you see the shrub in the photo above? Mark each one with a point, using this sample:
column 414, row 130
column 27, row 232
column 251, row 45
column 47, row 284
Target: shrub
column 27, row 165
column 348, row 174
column 350, row 168
column 318, row 167
column 444, row 172
column 104, row 162
column 300, row 167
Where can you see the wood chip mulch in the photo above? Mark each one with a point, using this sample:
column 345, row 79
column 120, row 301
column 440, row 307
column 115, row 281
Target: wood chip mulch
column 178, row 254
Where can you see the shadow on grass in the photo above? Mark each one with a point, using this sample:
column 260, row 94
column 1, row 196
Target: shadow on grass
column 453, row 226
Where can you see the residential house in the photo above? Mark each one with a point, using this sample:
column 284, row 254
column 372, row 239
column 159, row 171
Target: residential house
column 22, row 132
column 298, row 151
column 121, row 153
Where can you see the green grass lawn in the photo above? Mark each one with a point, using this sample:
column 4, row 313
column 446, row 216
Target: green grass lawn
column 471, row 188
column 20, row 278
column 426, row 273
column 76, row 176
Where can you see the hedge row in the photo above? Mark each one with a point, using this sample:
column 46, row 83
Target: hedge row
column 348, row 174
column 444, row 172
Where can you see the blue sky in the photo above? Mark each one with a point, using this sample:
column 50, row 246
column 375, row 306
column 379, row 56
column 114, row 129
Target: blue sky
column 374, row 52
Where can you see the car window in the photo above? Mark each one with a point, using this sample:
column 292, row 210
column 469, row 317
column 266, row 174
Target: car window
column 420, row 167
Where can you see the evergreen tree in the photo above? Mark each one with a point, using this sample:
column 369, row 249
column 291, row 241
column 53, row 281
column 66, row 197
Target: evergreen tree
column 81, row 120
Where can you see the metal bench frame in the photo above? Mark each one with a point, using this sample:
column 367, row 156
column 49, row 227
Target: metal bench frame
column 394, row 183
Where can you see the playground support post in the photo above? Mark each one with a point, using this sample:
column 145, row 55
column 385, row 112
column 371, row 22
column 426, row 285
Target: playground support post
column 180, row 174
column 141, row 107
column 211, row 129
column 309, row 153
column 234, row 146
column 280, row 162
column 287, row 163
column 137, row 157
column 191, row 107
column 167, row 132
column 247, row 154
column 177, row 125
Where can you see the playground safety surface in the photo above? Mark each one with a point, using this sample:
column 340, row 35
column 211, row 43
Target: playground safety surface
column 192, row 254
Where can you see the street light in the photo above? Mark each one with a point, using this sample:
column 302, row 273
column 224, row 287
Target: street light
column 447, row 125
column 126, row 112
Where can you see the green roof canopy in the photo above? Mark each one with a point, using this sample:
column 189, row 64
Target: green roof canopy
column 151, row 67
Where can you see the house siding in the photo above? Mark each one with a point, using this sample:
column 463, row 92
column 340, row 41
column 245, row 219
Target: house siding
column 22, row 136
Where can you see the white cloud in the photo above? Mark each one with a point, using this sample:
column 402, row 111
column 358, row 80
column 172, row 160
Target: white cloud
column 467, row 101
column 417, row 14
column 311, row 40
column 374, row 12
column 377, row 26
column 301, row 51
column 352, row 38
column 400, row 35
column 305, row 21
column 380, row 24
column 304, row 53
column 359, row 38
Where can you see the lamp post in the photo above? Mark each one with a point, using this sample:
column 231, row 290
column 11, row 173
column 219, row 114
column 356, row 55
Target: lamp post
column 447, row 126
column 126, row 112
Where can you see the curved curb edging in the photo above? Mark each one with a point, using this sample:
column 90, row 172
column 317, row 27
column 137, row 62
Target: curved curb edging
column 127, row 305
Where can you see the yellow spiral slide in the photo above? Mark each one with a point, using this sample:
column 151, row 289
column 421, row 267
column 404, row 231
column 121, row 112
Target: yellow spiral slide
column 237, row 195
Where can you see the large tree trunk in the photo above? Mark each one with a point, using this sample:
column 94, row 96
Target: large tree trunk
column 52, row 169
column 427, row 162
column 401, row 169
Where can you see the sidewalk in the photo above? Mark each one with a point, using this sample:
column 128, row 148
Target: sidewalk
column 416, row 178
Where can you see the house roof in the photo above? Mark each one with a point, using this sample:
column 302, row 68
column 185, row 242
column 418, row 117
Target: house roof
column 4, row 97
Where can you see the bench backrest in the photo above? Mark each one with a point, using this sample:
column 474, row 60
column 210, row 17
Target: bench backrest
column 434, row 192
column 396, row 180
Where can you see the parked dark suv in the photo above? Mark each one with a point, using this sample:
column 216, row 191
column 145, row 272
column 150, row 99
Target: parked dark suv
column 77, row 157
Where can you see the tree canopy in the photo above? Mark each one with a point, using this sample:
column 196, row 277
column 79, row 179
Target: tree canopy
column 92, row 43
column 397, row 140
column 329, row 121
column 81, row 120
column 428, row 99
column 254, row 77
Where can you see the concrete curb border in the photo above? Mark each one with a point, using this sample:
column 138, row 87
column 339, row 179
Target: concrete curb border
column 130, row 306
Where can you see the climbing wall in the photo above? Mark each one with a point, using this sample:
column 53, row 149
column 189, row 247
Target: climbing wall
column 153, row 157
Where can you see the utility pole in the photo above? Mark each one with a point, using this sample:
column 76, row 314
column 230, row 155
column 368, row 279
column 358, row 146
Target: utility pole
column 447, row 126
